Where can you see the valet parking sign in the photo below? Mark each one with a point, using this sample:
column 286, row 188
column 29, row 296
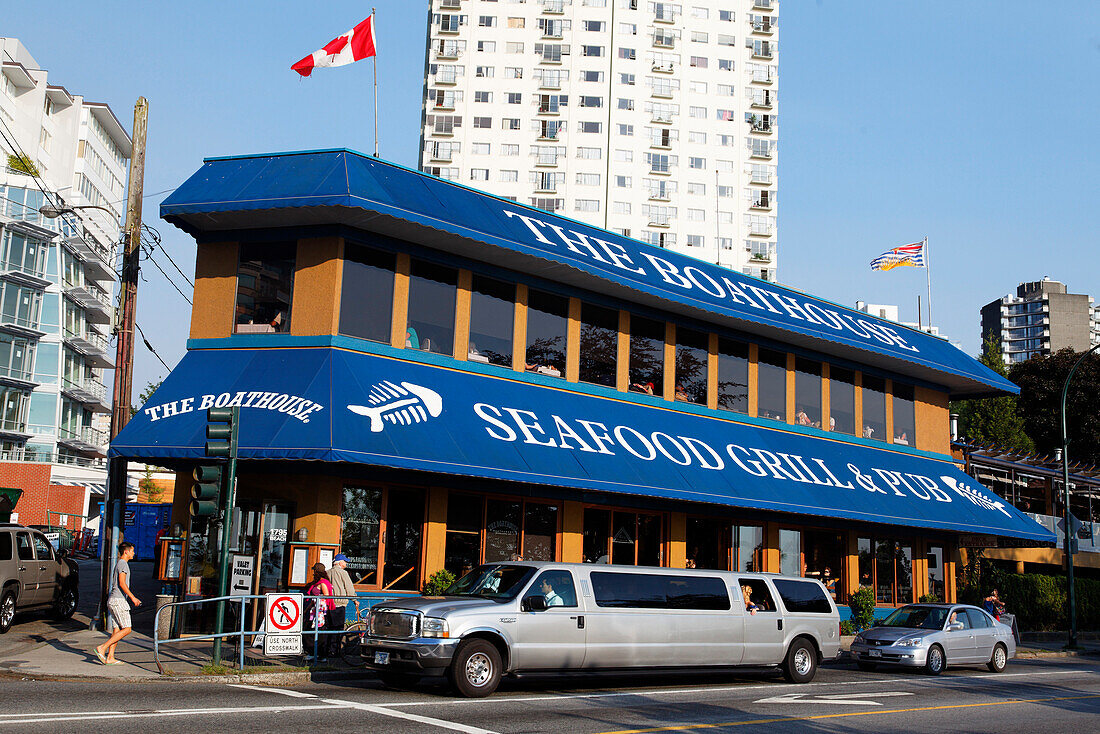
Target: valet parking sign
column 284, row 624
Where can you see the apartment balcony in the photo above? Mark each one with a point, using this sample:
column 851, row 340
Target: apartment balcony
column 450, row 4
column 17, row 272
column 92, row 254
column 761, row 77
column 553, row 7
column 660, row 220
column 90, row 392
column 447, row 53
column 763, row 52
column 661, row 118
column 760, row 257
column 552, row 34
column 661, row 144
column 549, row 110
column 546, row 161
column 449, row 29
column 761, row 153
column 443, row 131
column 552, row 84
column 546, row 187
column 763, row 4
column 661, row 93
column 760, row 229
column 761, row 204
column 757, row 177
column 664, row 68
column 93, row 299
column 95, row 348
column 84, row 438
column 445, row 79
column 21, row 326
column 765, row 27
column 16, row 429
column 763, row 102
column 764, row 128
column 664, row 41
column 447, row 105
column 663, row 15
column 551, row 59
column 15, row 377
column 441, row 156
column 660, row 195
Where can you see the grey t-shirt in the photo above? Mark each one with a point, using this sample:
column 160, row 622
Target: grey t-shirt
column 116, row 593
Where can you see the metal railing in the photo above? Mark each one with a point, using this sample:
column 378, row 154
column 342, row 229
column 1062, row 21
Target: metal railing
column 360, row 602
column 1091, row 544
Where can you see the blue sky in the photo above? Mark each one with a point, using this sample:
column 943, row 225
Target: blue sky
column 974, row 124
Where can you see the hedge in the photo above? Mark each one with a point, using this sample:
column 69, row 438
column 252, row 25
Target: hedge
column 1039, row 601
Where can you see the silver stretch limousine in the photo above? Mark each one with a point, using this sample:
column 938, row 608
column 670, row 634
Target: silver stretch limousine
column 508, row 618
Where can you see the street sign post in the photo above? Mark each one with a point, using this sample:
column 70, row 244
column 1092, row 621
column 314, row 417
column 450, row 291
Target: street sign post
column 283, row 623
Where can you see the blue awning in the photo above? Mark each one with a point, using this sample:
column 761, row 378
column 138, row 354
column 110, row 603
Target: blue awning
column 330, row 404
column 340, row 186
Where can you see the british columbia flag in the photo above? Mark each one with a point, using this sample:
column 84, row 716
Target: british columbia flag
column 910, row 255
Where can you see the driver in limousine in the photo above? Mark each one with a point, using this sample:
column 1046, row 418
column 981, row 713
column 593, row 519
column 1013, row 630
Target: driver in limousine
column 551, row 596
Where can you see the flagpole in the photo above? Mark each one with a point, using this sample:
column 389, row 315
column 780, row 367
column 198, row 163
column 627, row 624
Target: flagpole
column 928, row 272
column 374, row 37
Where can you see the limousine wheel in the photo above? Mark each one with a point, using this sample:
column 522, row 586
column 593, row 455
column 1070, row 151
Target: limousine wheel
column 801, row 663
column 475, row 669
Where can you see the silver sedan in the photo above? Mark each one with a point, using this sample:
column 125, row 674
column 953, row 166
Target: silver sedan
column 931, row 636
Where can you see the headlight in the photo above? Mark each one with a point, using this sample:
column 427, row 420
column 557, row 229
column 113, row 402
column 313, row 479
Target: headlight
column 434, row 627
column 910, row 642
column 859, row 640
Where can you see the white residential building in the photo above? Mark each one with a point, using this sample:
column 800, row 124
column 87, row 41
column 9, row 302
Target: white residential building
column 56, row 275
column 656, row 120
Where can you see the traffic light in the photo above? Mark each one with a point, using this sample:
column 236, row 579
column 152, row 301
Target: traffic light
column 206, row 490
column 221, row 433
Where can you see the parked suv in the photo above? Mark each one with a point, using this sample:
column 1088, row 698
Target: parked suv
column 33, row 575
column 508, row 618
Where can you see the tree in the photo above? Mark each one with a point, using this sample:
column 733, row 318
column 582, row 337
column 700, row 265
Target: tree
column 149, row 486
column 1041, row 380
column 147, row 393
column 996, row 420
column 22, row 164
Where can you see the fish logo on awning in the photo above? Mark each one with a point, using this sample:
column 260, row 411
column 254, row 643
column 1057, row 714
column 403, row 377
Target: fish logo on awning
column 402, row 404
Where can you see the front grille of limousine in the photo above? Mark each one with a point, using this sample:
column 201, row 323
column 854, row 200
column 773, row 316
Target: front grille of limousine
column 400, row 625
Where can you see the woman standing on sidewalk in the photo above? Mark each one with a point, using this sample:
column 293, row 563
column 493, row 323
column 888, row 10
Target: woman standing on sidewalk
column 117, row 607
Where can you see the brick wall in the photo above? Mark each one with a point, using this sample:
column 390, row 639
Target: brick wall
column 39, row 495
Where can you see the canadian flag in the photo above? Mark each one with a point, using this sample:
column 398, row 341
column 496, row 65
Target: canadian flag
column 356, row 44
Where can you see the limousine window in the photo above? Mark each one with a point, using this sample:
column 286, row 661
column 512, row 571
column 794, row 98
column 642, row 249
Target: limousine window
column 803, row 596
column 496, row 582
column 649, row 591
column 556, row 587
column 759, row 594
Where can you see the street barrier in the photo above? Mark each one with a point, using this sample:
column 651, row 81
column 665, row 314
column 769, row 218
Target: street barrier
column 171, row 615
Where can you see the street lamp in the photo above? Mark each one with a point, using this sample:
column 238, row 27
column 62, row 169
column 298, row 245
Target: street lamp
column 49, row 211
column 1072, row 642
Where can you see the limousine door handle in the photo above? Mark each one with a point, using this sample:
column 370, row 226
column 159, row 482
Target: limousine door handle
column 779, row 624
column 580, row 621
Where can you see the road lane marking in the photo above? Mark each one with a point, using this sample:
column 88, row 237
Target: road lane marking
column 816, row 717
column 944, row 682
column 382, row 710
column 49, row 718
column 266, row 689
column 851, row 699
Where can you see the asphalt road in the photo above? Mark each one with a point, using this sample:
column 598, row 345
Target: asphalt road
column 1031, row 696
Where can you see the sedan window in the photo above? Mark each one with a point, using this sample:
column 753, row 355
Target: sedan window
column 914, row 617
column 978, row 619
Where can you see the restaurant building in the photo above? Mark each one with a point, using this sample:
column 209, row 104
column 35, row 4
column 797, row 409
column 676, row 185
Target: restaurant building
column 431, row 377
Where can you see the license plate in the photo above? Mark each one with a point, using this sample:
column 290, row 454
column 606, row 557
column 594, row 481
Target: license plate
column 870, row 654
column 381, row 658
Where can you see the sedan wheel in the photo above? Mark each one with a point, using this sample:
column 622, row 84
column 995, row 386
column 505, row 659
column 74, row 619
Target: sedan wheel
column 999, row 661
column 935, row 663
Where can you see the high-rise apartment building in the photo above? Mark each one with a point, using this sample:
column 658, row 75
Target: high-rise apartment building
column 653, row 119
column 56, row 284
column 1041, row 319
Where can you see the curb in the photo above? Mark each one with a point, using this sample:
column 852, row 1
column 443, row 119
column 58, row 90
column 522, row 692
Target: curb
column 278, row 679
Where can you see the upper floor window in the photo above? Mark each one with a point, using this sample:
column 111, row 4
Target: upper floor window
column 771, row 379
column 431, row 321
column 905, row 424
column 492, row 319
column 599, row 344
column 647, row 355
column 366, row 296
column 691, row 366
column 733, row 375
column 265, row 284
column 807, row 392
column 547, row 330
column 874, row 407
column 842, row 400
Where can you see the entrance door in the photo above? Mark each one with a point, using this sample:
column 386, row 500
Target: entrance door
column 551, row 638
column 272, row 548
column 763, row 639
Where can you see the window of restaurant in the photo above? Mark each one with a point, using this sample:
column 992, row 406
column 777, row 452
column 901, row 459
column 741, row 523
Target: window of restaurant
column 771, row 379
column 487, row 530
column 366, row 296
column 547, row 333
column 265, row 286
column 790, row 552
column 691, row 366
column 807, row 392
column 492, row 321
column 733, row 375
column 709, row 543
column 936, row 585
column 431, row 320
column 905, row 421
column 842, row 400
column 382, row 528
column 887, row 567
column 874, row 407
column 627, row 538
column 750, row 548
column 647, row 355
column 599, row 344
column 824, row 552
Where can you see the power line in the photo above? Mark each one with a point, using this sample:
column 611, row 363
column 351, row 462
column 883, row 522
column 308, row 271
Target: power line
column 150, row 347
column 149, row 257
column 155, row 235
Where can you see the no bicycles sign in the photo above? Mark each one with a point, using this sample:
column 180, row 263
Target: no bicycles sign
column 284, row 614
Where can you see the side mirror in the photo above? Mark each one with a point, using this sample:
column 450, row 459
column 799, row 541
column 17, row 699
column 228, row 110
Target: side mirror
column 534, row 604
column 954, row 627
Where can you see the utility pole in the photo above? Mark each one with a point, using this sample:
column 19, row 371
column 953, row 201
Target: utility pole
column 111, row 524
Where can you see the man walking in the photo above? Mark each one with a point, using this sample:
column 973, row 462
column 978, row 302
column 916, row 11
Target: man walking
column 118, row 608
column 341, row 586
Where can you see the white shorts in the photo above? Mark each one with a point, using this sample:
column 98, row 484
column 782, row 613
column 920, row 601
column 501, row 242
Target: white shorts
column 118, row 614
